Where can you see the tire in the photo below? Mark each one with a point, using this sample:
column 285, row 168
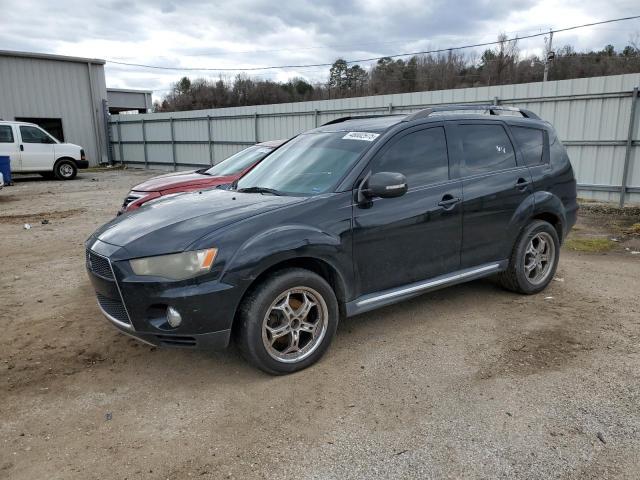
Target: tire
column 528, row 250
column 267, row 329
column 65, row 170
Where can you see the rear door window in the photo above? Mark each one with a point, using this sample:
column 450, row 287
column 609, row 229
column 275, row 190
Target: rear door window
column 6, row 134
column 486, row 148
column 531, row 142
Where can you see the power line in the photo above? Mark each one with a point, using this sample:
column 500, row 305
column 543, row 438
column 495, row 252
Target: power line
column 356, row 47
column 362, row 60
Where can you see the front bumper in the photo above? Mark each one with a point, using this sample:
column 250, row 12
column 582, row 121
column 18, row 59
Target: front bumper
column 82, row 164
column 138, row 308
column 204, row 341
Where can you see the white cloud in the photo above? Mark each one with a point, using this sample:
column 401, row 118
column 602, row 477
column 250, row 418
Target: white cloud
column 254, row 33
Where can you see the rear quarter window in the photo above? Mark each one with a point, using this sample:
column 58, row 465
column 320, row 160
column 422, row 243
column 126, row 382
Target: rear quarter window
column 531, row 142
column 6, row 134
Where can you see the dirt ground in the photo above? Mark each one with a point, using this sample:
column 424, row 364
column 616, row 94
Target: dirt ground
column 467, row 382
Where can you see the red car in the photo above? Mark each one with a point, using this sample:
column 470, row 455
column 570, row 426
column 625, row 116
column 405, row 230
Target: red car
column 223, row 173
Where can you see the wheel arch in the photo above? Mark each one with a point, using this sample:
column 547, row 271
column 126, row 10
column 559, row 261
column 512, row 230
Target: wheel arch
column 553, row 219
column 549, row 208
column 314, row 264
column 63, row 158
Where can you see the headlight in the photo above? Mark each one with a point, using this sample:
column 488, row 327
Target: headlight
column 176, row 266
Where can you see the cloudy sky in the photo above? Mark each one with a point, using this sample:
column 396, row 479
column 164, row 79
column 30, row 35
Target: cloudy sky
column 256, row 33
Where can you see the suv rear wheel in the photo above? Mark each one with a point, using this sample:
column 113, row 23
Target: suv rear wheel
column 534, row 259
column 65, row 170
column 288, row 321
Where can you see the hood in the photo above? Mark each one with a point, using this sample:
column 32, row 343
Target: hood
column 66, row 147
column 172, row 224
column 181, row 180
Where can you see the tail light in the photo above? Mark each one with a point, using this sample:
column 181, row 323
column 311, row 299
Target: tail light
column 82, row 155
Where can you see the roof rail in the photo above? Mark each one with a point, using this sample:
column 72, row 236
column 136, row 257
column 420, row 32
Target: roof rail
column 470, row 109
column 357, row 117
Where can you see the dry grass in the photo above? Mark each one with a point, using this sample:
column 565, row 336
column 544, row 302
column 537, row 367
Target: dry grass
column 591, row 245
column 633, row 229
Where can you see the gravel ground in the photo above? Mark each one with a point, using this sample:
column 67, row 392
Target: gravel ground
column 467, row 382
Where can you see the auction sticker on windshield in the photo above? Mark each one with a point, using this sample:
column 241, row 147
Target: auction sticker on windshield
column 364, row 136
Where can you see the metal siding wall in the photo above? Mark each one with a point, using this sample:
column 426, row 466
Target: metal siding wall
column 633, row 178
column 582, row 110
column 132, row 100
column 56, row 89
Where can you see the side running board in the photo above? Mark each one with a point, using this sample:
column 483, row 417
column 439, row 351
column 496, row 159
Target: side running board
column 387, row 297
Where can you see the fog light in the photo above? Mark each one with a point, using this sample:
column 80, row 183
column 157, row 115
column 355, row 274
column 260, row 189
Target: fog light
column 174, row 319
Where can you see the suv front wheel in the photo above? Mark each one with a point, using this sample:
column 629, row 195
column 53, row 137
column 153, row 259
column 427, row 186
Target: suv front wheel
column 534, row 259
column 288, row 321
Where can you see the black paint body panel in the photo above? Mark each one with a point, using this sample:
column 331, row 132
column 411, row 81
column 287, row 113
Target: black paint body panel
column 368, row 248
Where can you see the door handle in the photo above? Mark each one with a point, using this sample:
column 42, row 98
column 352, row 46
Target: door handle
column 22, row 148
column 522, row 184
column 448, row 202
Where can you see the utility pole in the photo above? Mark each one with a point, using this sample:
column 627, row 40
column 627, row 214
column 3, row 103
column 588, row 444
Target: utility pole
column 549, row 55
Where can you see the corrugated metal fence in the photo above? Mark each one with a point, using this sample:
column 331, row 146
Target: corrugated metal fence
column 595, row 118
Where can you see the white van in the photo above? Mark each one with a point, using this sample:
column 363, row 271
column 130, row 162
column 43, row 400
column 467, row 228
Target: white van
column 31, row 149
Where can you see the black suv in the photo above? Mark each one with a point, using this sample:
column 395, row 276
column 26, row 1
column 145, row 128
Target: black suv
column 351, row 216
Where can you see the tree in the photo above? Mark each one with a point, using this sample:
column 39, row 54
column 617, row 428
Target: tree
column 345, row 80
column 356, row 79
column 298, row 89
column 499, row 65
column 338, row 76
column 447, row 70
column 183, row 86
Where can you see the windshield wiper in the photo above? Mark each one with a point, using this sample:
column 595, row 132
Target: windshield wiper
column 259, row 190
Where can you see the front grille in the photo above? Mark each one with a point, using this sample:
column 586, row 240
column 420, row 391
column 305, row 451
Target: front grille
column 99, row 265
column 114, row 308
column 132, row 197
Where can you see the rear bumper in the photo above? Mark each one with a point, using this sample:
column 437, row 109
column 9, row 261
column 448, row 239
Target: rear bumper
column 571, row 216
column 82, row 164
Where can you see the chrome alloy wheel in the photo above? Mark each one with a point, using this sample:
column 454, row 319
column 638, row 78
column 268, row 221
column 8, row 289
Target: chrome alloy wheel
column 66, row 170
column 539, row 258
column 295, row 324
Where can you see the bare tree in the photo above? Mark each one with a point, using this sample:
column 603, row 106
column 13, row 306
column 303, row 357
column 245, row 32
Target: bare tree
column 452, row 69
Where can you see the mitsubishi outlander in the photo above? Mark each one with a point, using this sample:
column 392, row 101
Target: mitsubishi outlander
column 359, row 213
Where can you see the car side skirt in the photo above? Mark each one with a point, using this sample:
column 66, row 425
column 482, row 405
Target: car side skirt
column 375, row 300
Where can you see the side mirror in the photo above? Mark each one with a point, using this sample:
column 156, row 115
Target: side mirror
column 385, row 185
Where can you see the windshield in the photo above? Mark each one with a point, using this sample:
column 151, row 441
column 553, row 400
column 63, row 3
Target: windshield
column 238, row 162
column 309, row 164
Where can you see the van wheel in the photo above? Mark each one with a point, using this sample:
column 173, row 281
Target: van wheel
column 288, row 321
column 534, row 259
column 65, row 170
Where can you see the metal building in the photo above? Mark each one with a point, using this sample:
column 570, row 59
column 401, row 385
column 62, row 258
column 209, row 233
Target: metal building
column 67, row 96
column 122, row 100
